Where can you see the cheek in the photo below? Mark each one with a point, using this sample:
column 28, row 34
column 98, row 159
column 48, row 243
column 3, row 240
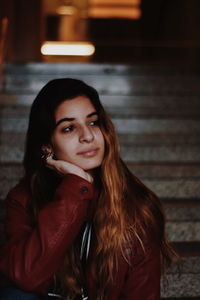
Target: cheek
column 103, row 144
column 102, row 141
column 99, row 136
column 62, row 148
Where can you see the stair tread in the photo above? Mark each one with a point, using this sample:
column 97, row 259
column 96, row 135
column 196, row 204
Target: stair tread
column 98, row 68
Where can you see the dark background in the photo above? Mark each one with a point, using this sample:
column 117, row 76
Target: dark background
column 167, row 33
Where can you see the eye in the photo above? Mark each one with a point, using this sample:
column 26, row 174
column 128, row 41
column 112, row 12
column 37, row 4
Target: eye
column 68, row 128
column 94, row 123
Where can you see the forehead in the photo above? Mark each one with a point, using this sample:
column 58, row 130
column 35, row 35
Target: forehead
column 75, row 107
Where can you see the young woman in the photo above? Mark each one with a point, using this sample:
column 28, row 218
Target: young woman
column 79, row 225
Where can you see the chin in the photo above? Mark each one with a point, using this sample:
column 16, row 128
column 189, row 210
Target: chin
column 90, row 166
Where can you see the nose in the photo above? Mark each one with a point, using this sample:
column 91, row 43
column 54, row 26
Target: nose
column 86, row 135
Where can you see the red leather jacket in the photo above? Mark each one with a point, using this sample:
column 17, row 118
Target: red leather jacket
column 33, row 254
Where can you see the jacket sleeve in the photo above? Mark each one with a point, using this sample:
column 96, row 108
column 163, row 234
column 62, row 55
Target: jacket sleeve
column 33, row 254
column 143, row 277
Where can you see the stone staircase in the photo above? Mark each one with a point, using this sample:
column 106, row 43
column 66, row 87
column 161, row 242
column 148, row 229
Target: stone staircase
column 156, row 111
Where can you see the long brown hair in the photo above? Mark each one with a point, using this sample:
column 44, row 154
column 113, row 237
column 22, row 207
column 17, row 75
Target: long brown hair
column 126, row 210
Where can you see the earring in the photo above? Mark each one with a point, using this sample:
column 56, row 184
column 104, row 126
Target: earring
column 45, row 155
column 50, row 154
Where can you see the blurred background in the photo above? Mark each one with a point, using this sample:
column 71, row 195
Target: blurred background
column 125, row 31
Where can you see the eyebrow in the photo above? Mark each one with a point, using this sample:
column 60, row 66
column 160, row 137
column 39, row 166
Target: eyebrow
column 72, row 119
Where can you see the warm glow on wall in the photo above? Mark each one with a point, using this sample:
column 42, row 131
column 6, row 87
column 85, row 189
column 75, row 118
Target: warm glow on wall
column 115, row 2
column 129, row 9
column 66, row 10
column 68, row 48
column 134, row 13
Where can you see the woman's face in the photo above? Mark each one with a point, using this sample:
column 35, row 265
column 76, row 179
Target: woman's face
column 77, row 137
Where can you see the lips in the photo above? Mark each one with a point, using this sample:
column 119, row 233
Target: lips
column 89, row 152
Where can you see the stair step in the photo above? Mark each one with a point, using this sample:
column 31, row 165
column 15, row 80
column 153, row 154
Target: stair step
column 182, row 279
column 127, row 112
column 97, row 68
column 159, row 139
column 160, row 153
column 156, row 126
column 183, row 285
column 150, row 102
column 165, row 170
column 125, row 80
column 13, row 139
column 174, row 188
column 184, row 211
column 9, row 177
column 179, row 231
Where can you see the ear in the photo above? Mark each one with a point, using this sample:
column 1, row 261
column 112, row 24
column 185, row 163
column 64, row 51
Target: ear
column 47, row 149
